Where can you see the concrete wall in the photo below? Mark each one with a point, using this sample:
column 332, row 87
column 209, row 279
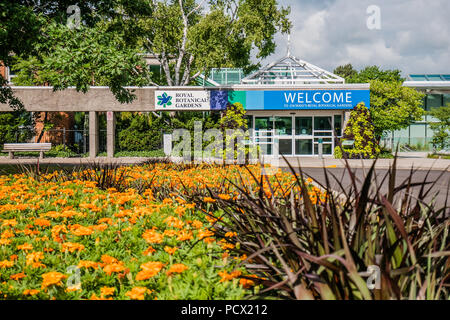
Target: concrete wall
column 101, row 98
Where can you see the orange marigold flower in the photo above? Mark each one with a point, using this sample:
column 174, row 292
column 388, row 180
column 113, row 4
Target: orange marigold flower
column 88, row 264
column 17, row 276
column 80, row 230
column 246, row 283
column 137, row 293
column 7, row 234
column 9, row 222
column 148, row 251
column 170, row 250
column 174, row 222
column 208, row 200
column 197, row 224
column 152, row 236
column 72, row 247
column 107, row 291
column 149, row 270
column 224, row 196
column 114, row 267
column 34, row 257
column 52, row 278
column 108, row 259
column 4, row 242
column 177, row 268
column 30, row 292
column 170, row 232
column 25, row 247
column 204, row 234
column 225, row 276
column 184, row 235
column 230, row 234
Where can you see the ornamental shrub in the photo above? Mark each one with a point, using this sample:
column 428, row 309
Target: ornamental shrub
column 143, row 133
column 359, row 128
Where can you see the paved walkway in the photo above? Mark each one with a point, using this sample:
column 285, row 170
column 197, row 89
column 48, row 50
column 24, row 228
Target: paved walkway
column 402, row 163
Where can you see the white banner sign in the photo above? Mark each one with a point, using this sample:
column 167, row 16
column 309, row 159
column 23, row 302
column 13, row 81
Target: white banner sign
column 182, row 100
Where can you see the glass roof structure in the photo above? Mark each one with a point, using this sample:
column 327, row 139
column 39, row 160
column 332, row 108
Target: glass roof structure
column 221, row 77
column 290, row 71
column 429, row 77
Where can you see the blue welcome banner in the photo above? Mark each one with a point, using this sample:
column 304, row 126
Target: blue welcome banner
column 306, row 99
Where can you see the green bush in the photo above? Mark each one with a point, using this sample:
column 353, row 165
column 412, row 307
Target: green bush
column 10, row 123
column 360, row 129
column 144, row 133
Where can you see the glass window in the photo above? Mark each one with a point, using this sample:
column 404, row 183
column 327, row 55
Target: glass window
column 303, row 126
column 249, row 122
column 263, row 123
column 303, row 147
column 283, row 126
column 338, row 125
column 446, row 99
column 322, row 123
column 285, row 146
column 434, row 101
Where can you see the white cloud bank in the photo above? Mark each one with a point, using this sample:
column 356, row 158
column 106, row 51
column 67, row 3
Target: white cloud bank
column 414, row 35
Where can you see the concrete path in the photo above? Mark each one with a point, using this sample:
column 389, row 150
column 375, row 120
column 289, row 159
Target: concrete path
column 439, row 194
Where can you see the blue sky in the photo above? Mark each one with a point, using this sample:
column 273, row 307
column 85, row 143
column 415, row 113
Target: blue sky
column 414, row 35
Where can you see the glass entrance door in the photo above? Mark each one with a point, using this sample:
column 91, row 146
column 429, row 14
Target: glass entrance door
column 323, row 129
column 296, row 135
column 283, row 132
column 263, row 134
column 303, row 136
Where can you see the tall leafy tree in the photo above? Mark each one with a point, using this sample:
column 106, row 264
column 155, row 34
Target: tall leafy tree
column 190, row 37
column 441, row 128
column 392, row 106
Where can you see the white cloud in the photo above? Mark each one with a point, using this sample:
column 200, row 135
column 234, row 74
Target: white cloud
column 414, row 35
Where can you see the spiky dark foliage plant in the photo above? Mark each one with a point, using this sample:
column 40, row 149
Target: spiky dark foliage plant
column 303, row 249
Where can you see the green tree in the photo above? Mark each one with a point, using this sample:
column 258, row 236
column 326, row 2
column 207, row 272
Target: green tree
column 345, row 71
column 441, row 128
column 189, row 40
column 392, row 106
column 375, row 73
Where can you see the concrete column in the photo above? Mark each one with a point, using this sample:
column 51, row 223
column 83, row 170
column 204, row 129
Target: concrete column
column 110, row 133
column 93, row 134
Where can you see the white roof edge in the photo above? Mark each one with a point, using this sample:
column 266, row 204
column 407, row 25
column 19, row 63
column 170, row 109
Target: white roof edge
column 427, row 84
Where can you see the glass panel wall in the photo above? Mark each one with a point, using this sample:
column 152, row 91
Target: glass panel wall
column 303, row 146
column 322, row 123
column 283, row 126
column 303, row 126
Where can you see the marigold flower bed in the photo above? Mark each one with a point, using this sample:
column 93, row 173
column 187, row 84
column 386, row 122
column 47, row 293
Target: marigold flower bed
column 71, row 240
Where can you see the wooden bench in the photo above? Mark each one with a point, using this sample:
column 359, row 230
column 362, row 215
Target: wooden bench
column 26, row 147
